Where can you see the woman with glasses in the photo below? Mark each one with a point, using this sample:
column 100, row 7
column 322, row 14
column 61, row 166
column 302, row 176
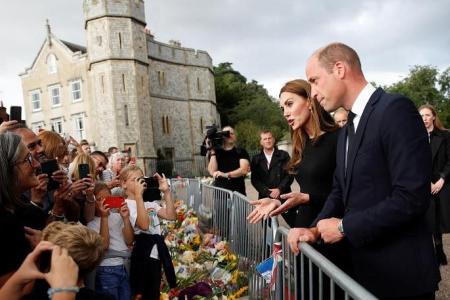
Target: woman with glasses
column 17, row 174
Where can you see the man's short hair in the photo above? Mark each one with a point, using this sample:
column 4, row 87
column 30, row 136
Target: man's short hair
column 111, row 149
column 84, row 142
column 334, row 52
column 84, row 245
column 100, row 153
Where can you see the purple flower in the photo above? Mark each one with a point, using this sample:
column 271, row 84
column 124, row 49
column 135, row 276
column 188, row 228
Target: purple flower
column 199, row 289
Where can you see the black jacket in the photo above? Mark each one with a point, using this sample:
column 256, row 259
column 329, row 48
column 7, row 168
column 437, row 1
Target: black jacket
column 275, row 176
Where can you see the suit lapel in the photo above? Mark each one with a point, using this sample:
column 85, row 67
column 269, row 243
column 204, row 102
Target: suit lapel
column 353, row 148
column 436, row 141
column 263, row 162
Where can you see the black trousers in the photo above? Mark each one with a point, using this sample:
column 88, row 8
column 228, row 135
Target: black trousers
column 145, row 277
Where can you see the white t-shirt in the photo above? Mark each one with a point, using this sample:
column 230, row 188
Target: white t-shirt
column 154, row 227
column 116, row 238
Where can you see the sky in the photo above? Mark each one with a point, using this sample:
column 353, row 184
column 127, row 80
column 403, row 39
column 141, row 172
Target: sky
column 267, row 41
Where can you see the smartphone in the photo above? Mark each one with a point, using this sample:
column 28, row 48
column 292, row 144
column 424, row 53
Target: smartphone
column 114, row 201
column 45, row 261
column 48, row 167
column 152, row 192
column 15, row 113
column 83, row 171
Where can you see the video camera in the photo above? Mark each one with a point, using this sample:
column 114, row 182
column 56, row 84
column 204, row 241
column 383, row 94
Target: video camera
column 214, row 139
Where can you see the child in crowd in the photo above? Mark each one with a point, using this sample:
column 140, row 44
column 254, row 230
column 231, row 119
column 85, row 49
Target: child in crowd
column 85, row 246
column 149, row 251
column 117, row 233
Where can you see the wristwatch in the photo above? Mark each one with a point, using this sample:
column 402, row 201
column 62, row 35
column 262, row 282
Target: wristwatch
column 341, row 228
column 227, row 175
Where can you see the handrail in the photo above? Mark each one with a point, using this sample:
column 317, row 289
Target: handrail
column 348, row 284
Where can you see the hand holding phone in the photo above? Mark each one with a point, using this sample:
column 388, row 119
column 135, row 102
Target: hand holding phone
column 15, row 113
column 114, row 201
column 48, row 167
column 83, row 171
column 152, row 192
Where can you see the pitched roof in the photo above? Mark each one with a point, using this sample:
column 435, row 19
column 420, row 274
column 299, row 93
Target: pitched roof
column 74, row 47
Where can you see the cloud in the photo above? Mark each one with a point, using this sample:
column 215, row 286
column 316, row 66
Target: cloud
column 268, row 41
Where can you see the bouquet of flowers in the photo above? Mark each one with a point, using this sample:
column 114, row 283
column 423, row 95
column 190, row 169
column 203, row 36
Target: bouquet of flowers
column 205, row 266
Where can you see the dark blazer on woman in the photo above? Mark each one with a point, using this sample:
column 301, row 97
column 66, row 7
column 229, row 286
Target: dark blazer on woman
column 439, row 210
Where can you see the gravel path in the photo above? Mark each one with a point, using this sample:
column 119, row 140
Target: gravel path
column 444, row 285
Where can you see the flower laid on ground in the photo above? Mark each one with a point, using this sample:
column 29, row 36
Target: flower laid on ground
column 205, row 266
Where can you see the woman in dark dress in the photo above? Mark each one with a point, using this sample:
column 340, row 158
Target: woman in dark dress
column 440, row 151
column 313, row 160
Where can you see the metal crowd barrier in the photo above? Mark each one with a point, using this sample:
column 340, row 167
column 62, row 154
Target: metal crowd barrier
column 315, row 271
column 251, row 242
column 216, row 207
column 188, row 190
column 226, row 212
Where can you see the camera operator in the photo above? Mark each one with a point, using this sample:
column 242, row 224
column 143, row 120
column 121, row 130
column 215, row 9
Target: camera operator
column 229, row 164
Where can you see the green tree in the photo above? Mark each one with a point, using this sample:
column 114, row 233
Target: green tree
column 424, row 84
column 246, row 106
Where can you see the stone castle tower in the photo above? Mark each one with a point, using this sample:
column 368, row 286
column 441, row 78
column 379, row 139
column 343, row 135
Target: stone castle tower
column 118, row 74
column 124, row 89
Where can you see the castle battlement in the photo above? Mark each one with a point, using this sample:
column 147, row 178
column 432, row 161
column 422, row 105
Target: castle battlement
column 174, row 53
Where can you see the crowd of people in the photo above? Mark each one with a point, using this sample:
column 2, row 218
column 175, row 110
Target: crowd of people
column 373, row 172
column 64, row 239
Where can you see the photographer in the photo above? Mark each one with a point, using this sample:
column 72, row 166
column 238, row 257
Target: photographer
column 229, row 164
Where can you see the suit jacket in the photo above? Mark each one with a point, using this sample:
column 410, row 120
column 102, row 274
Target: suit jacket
column 265, row 177
column 384, row 198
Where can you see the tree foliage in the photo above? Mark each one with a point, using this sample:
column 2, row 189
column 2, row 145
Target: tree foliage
column 425, row 84
column 246, row 106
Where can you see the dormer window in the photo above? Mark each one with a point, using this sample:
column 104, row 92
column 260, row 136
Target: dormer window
column 51, row 64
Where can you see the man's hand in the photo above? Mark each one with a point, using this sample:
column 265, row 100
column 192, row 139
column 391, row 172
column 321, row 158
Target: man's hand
column 437, row 186
column 297, row 235
column 218, row 174
column 274, row 193
column 7, row 125
column 329, row 231
column 263, row 207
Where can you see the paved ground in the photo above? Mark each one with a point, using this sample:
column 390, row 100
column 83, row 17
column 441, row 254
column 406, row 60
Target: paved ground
column 444, row 286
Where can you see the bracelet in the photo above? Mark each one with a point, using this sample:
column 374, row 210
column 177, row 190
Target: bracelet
column 36, row 204
column 61, row 217
column 71, row 289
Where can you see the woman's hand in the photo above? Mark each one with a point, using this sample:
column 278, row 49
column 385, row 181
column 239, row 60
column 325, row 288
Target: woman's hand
column 293, row 199
column 437, row 186
column 263, row 209
column 102, row 208
column 124, row 211
column 140, row 186
column 163, row 184
column 63, row 271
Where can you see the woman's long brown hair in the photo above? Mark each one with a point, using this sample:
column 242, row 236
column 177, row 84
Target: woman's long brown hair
column 320, row 120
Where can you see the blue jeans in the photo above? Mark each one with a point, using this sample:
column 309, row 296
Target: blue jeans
column 114, row 281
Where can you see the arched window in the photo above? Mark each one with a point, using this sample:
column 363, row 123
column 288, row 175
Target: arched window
column 51, row 64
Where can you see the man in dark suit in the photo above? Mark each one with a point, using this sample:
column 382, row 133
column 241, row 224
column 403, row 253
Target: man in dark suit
column 382, row 181
column 269, row 175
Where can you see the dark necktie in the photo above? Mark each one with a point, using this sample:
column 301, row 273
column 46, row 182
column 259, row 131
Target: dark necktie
column 350, row 135
column 350, row 127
